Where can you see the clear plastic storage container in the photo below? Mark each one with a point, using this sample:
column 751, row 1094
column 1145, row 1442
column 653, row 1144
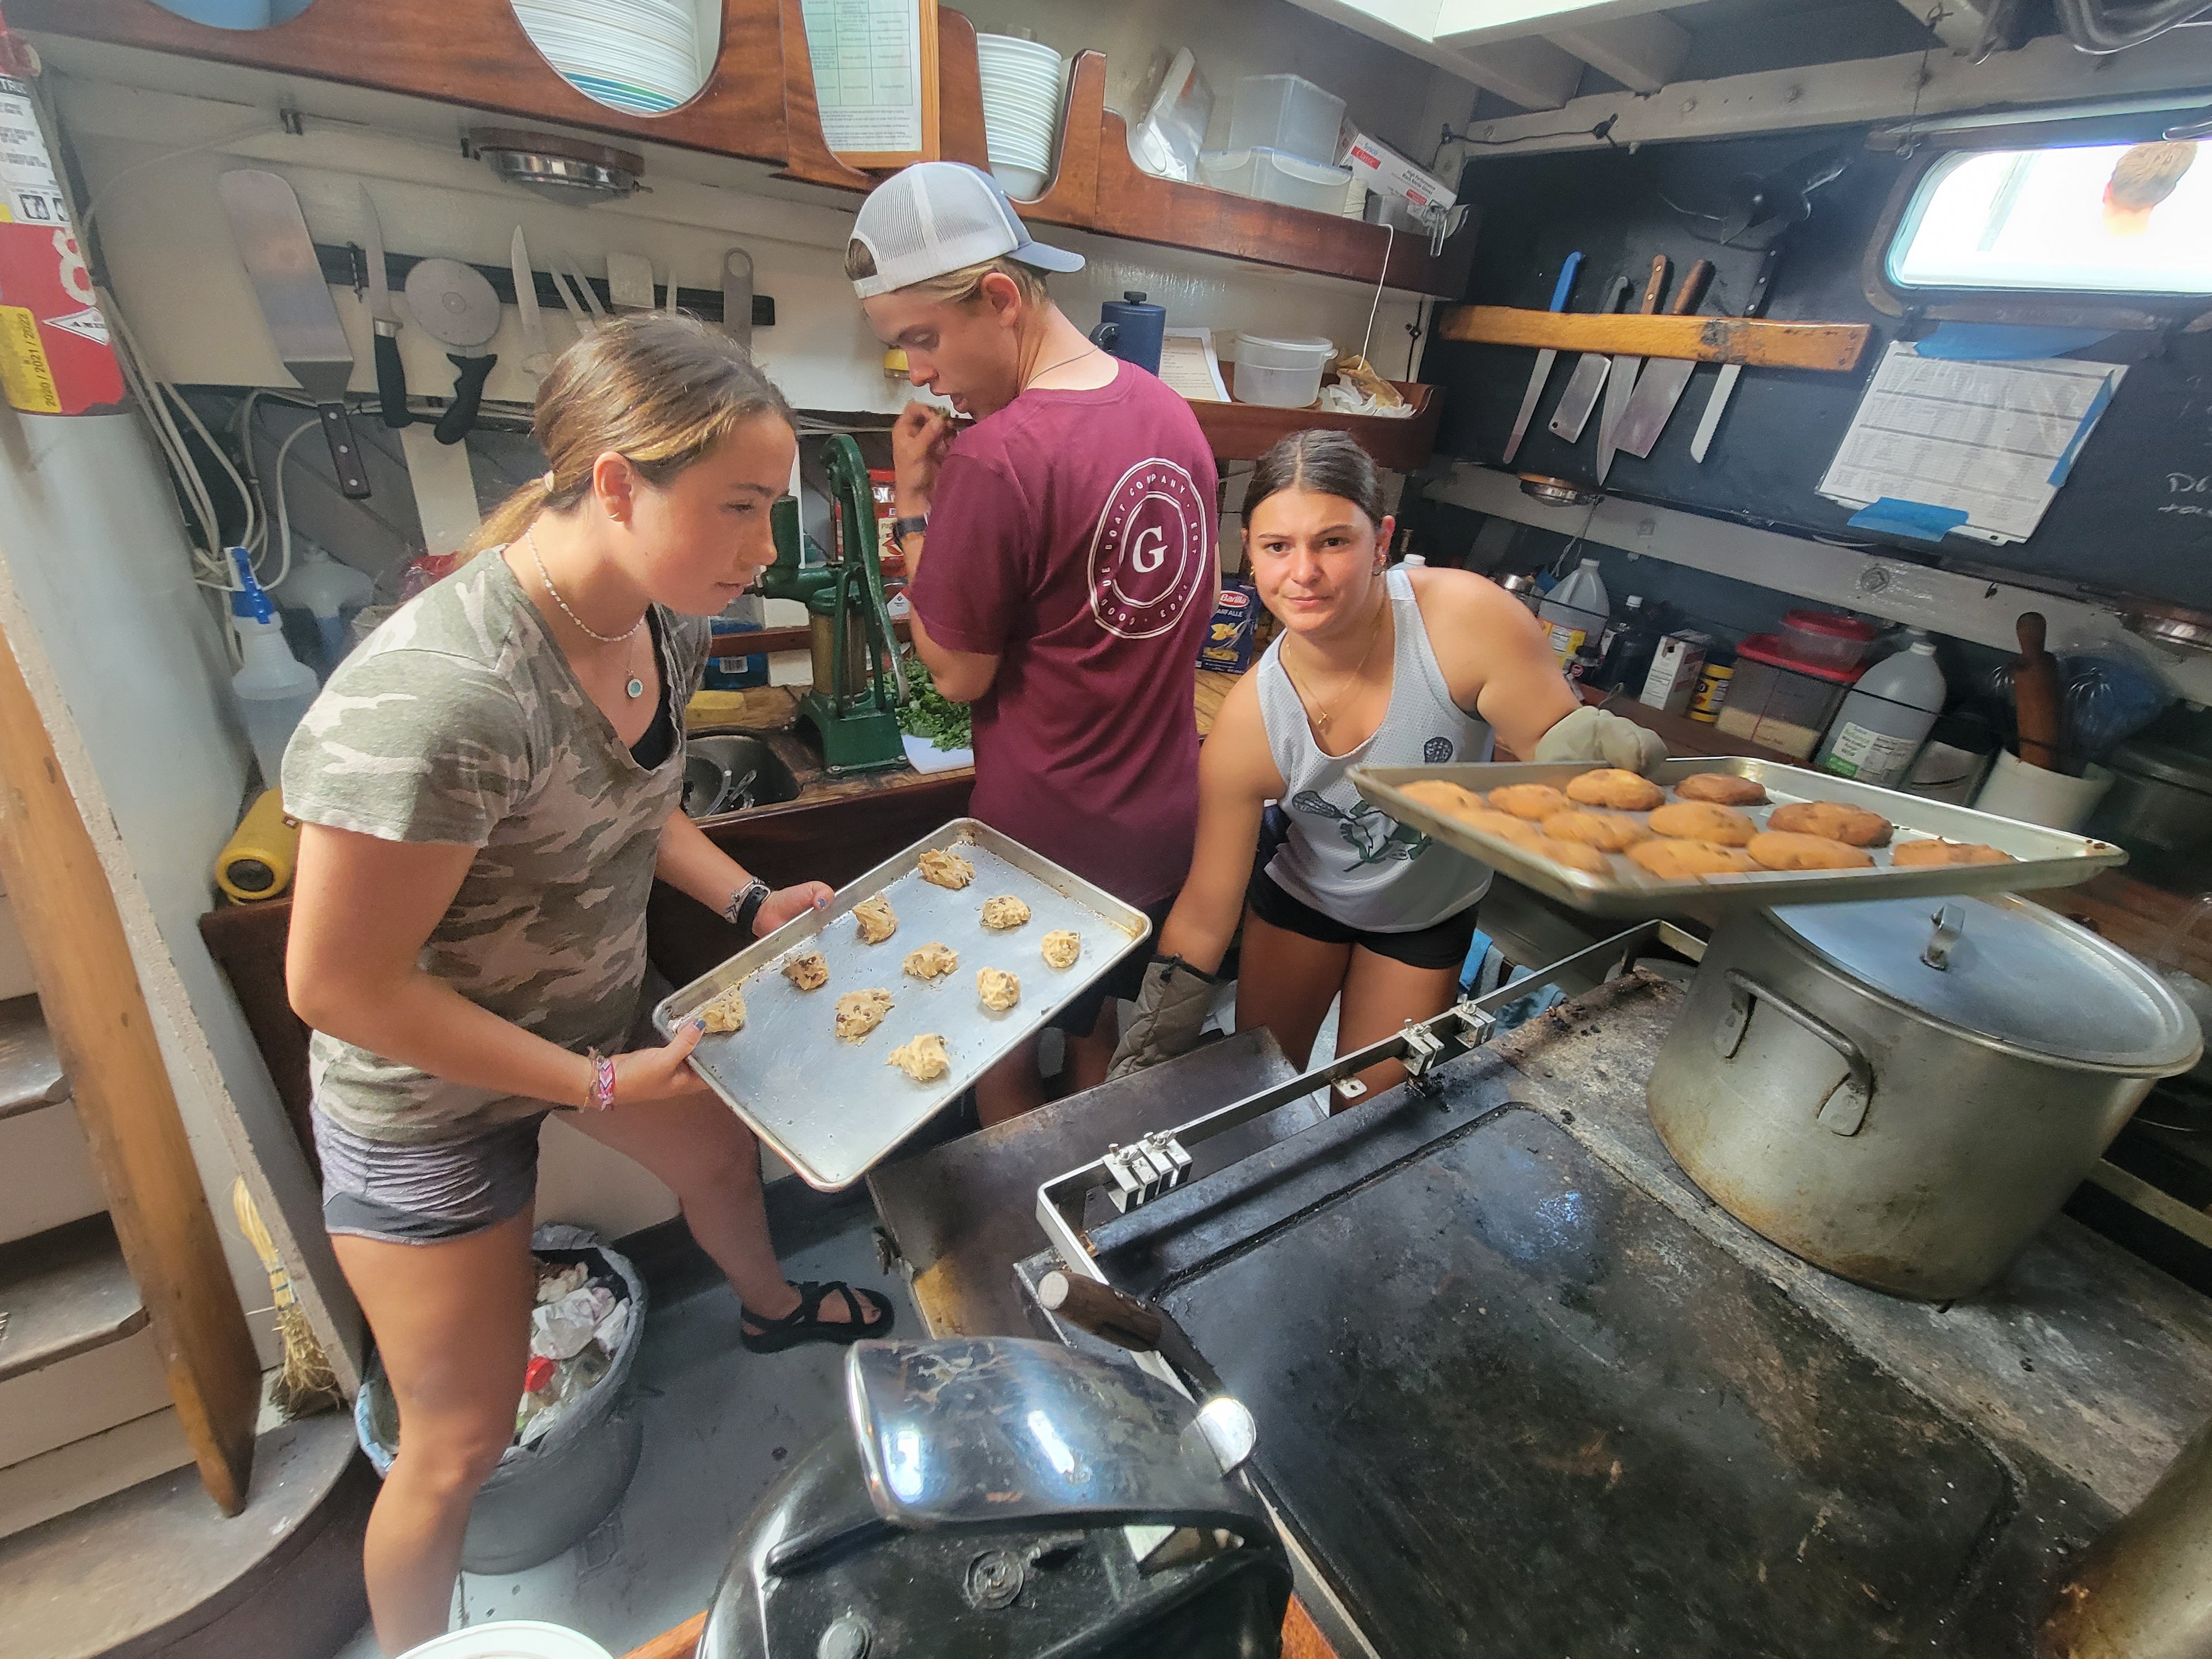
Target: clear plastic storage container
column 1269, row 175
column 1780, row 701
column 1167, row 141
column 1826, row 639
column 1283, row 373
column 1286, row 113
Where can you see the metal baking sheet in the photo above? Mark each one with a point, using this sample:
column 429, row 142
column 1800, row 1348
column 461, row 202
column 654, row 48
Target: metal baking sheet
column 2045, row 858
column 833, row 1108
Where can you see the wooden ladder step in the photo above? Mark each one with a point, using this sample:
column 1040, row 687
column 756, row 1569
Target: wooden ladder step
column 31, row 1073
column 65, row 1292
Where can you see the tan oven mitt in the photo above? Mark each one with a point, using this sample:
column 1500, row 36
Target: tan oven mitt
column 1172, row 1010
column 1592, row 734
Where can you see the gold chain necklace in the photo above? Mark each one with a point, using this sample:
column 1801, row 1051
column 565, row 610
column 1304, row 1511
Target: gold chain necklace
column 1323, row 716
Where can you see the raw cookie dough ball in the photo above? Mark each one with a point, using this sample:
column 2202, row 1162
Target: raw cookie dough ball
column 999, row 989
column 1721, row 788
column 1788, row 849
column 1606, row 831
column 726, row 1012
column 1617, row 787
column 999, row 912
column 807, row 971
column 921, row 1058
column 1575, row 855
column 1061, row 946
column 1687, row 860
column 1697, row 820
column 1853, row 826
column 1528, row 801
column 943, row 869
column 1440, row 797
column 1934, row 851
column 874, row 918
column 932, row 961
column 859, row 1012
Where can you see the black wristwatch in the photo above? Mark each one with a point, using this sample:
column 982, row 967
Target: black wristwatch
column 902, row 528
column 744, row 905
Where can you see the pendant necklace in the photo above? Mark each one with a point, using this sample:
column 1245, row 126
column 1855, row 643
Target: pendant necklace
column 1323, row 716
column 634, row 687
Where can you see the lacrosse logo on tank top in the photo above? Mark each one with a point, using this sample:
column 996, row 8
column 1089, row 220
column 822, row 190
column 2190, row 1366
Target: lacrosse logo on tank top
column 1345, row 856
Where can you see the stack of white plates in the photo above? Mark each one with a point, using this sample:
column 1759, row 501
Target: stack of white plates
column 1024, row 84
column 642, row 56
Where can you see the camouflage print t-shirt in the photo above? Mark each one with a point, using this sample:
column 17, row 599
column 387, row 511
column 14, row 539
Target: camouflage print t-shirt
column 459, row 721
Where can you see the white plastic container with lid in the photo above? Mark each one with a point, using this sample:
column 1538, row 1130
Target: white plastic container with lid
column 1886, row 716
column 274, row 688
column 1575, row 610
column 1282, row 374
column 1272, row 175
column 1286, row 113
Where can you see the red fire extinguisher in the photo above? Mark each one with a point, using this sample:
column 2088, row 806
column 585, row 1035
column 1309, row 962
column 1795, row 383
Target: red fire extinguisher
column 55, row 358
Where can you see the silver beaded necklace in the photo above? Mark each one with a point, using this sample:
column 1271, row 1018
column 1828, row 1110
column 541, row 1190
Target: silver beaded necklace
column 636, row 687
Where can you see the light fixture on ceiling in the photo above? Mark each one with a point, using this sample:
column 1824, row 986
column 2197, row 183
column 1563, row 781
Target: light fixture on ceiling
column 2187, row 100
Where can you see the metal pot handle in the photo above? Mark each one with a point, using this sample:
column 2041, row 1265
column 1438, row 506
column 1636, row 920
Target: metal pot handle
column 1845, row 1110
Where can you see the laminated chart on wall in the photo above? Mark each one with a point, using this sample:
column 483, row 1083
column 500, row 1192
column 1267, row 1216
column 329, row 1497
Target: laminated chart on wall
column 1941, row 446
column 869, row 59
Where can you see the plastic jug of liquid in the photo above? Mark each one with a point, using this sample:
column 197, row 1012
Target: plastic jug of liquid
column 1886, row 716
column 1575, row 610
column 329, row 591
column 274, row 688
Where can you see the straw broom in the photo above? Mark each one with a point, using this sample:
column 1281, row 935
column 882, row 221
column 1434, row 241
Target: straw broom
column 306, row 1384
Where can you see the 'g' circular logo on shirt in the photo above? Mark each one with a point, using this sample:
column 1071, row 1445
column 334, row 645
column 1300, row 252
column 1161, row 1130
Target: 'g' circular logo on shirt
column 1148, row 556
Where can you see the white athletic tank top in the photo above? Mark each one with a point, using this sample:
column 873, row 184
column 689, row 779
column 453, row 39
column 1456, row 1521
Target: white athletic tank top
column 1343, row 856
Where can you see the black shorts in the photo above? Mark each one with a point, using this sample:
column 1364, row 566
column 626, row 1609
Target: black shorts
column 1442, row 945
column 1123, row 979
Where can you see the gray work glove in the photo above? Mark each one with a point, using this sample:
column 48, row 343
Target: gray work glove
column 1592, row 734
column 1172, row 1010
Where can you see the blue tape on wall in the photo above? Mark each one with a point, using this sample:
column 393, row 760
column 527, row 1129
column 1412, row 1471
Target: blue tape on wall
column 2097, row 406
column 1918, row 519
column 1999, row 343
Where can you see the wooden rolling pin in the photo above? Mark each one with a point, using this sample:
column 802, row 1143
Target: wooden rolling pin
column 2035, row 696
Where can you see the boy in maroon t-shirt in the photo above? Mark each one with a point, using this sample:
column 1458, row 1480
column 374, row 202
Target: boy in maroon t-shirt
column 1071, row 566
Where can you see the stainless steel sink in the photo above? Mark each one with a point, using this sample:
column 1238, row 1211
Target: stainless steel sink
column 729, row 774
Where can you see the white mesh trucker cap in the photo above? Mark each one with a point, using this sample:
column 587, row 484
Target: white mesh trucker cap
column 935, row 217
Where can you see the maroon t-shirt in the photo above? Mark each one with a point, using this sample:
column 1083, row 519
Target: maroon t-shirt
column 1073, row 536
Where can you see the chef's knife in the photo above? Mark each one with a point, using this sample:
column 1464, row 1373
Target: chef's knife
column 455, row 305
column 537, row 358
column 1545, row 359
column 1589, row 379
column 303, row 319
column 384, row 324
column 1621, row 384
column 737, row 296
column 1661, row 385
column 1709, row 422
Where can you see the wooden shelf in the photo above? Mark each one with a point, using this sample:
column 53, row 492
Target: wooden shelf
column 1244, row 432
column 758, row 104
column 66, row 1292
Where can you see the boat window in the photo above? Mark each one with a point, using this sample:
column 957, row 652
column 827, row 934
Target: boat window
column 2085, row 218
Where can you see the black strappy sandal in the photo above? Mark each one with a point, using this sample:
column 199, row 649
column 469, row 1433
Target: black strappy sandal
column 866, row 1315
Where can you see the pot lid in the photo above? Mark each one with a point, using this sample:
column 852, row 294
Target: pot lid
column 2017, row 974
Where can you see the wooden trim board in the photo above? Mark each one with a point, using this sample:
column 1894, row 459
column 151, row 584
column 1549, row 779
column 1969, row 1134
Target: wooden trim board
column 1756, row 341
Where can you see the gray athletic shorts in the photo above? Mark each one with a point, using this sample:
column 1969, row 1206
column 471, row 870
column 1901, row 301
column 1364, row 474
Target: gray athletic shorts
column 426, row 1192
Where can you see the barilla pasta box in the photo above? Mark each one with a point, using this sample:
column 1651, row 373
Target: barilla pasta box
column 1232, row 638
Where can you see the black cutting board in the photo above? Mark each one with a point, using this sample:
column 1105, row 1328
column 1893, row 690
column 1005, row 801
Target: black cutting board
column 1518, row 1408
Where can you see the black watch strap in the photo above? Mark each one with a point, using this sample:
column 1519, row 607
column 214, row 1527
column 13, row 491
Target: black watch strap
column 916, row 525
column 744, row 906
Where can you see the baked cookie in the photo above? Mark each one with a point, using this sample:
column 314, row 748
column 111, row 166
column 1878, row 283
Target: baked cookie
column 1617, row 787
column 1061, row 947
column 874, row 918
column 1688, row 860
column 1792, row 849
column 859, row 1012
column 1001, row 913
column 922, row 1057
column 1909, row 854
column 1699, row 820
column 726, row 1012
column 1528, row 801
column 943, row 869
column 1721, row 789
column 1853, row 826
column 1502, row 824
column 999, row 989
column 807, row 971
column 1440, row 797
column 932, row 961
column 1575, row 854
column 1608, row 832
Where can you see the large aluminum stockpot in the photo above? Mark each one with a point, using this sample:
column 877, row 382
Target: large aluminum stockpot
column 1904, row 1092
